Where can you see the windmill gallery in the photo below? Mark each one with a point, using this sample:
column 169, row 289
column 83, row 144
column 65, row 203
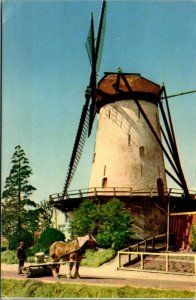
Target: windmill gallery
column 134, row 135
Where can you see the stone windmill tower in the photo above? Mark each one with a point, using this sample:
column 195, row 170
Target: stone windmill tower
column 126, row 153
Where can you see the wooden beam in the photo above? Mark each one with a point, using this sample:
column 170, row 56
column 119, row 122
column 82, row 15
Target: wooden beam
column 183, row 213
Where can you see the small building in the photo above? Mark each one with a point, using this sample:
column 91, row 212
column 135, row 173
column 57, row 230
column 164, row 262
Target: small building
column 60, row 221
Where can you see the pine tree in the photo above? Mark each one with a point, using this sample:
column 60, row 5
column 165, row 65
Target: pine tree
column 16, row 195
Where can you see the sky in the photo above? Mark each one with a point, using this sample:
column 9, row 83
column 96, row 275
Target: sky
column 46, row 71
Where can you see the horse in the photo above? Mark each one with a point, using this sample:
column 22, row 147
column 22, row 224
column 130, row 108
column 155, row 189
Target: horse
column 72, row 252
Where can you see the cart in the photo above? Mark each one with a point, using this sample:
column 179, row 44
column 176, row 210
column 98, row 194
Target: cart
column 40, row 269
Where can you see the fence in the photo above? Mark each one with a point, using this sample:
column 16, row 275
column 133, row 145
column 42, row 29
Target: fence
column 116, row 192
column 162, row 262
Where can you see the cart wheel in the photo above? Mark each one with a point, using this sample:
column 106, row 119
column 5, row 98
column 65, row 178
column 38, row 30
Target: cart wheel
column 26, row 272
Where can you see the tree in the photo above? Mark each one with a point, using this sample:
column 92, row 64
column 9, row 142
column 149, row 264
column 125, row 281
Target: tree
column 45, row 212
column 9, row 217
column 114, row 225
column 39, row 218
column 25, row 236
column 110, row 223
column 16, row 195
column 83, row 220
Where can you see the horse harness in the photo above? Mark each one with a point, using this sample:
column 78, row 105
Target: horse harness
column 79, row 250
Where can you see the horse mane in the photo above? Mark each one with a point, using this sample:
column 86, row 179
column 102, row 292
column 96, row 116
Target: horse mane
column 82, row 240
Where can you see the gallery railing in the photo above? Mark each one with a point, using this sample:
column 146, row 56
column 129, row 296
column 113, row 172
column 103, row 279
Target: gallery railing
column 118, row 191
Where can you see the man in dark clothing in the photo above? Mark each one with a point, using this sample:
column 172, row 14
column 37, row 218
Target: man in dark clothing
column 21, row 255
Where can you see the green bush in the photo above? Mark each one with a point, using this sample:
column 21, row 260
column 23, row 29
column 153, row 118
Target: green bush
column 4, row 244
column 9, row 257
column 30, row 251
column 97, row 258
column 25, row 236
column 47, row 238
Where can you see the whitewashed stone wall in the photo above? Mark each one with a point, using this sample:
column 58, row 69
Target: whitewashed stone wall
column 121, row 133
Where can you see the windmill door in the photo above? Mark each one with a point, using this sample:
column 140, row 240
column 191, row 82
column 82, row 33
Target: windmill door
column 160, row 187
column 104, row 182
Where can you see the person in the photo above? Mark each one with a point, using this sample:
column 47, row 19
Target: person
column 21, row 256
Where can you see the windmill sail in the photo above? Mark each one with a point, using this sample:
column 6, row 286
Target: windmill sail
column 100, row 39
column 175, row 160
column 78, row 146
column 89, row 42
column 87, row 116
column 96, row 64
column 101, row 36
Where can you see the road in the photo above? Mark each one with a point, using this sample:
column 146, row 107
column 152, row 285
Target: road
column 109, row 276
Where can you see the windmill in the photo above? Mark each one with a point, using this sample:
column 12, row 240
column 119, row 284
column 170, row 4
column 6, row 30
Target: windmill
column 148, row 98
column 94, row 50
column 134, row 167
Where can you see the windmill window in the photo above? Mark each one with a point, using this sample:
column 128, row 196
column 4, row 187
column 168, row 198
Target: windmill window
column 157, row 120
column 104, row 171
column 129, row 139
column 109, row 113
column 104, row 182
column 142, row 151
column 94, row 157
column 159, row 171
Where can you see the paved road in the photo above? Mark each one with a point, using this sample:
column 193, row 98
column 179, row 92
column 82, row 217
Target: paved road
column 109, row 276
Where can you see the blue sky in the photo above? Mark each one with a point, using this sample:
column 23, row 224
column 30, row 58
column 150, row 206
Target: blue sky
column 46, row 71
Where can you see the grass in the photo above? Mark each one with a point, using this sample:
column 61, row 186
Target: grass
column 92, row 259
column 97, row 258
column 31, row 288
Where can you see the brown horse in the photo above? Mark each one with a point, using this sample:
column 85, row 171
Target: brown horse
column 72, row 252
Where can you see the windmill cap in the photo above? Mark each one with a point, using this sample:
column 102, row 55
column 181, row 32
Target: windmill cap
column 112, row 88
